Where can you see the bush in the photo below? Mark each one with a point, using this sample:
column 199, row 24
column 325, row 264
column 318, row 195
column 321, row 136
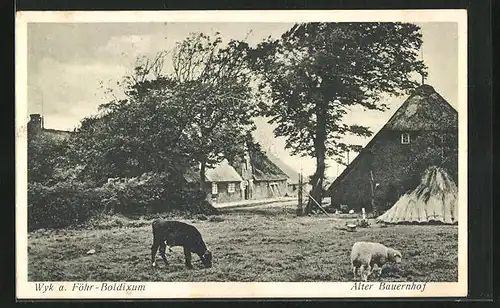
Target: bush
column 62, row 205
column 137, row 195
column 44, row 153
column 191, row 201
column 154, row 193
column 70, row 203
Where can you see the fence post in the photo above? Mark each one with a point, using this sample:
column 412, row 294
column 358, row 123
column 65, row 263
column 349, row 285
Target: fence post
column 299, row 206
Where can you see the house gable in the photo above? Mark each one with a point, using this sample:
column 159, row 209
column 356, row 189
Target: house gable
column 424, row 111
column 264, row 169
column 257, row 166
column 222, row 172
column 293, row 175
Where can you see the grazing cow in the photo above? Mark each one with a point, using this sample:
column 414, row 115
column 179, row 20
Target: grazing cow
column 176, row 233
column 366, row 256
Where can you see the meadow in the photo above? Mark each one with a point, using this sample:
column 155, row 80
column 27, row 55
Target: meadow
column 260, row 243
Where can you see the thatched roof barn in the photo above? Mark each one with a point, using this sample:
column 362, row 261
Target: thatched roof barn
column 421, row 133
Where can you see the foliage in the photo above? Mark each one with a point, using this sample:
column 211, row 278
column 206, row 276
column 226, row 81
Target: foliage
column 316, row 72
column 135, row 195
column 203, row 108
column 131, row 137
column 192, row 201
column 71, row 203
column 44, row 155
column 64, row 172
column 221, row 96
column 63, row 204
column 152, row 193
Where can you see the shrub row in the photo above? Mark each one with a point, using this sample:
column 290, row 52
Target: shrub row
column 61, row 205
column 70, row 203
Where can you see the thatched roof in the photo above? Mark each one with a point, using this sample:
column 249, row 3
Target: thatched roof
column 263, row 168
column 434, row 200
column 292, row 174
column 260, row 166
column 223, row 172
column 425, row 109
column 56, row 133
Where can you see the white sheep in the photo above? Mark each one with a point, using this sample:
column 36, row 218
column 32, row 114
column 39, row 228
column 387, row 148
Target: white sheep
column 368, row 256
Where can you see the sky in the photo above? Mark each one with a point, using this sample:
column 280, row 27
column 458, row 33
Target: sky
column 70, row 65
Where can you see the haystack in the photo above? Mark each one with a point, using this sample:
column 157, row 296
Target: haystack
column 434, row 200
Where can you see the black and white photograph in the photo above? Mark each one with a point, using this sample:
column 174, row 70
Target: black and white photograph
column 241, row 154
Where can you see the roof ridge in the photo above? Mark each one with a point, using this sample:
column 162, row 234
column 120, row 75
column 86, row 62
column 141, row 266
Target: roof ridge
column 423, row 95
column 278, row 160
column 425, row 90
column 271, row 168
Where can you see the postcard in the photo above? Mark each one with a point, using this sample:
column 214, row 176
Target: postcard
column 241, row 154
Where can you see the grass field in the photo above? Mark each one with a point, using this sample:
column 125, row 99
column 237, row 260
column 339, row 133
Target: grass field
column 251, row 244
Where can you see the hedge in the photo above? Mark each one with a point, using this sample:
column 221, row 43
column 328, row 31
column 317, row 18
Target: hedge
column 70, row 203
column 61, row 205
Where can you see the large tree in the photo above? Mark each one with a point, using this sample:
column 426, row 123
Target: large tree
column 199, row 112
column 136, row 135
column 316, row 72
column 222, row 101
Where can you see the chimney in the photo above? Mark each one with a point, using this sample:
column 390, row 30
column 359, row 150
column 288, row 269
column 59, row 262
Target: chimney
column 35, row 123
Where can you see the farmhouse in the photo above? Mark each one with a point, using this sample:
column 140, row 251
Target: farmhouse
column 262, row 178
column 292, row 174
column 423, row 132
column 222, row 183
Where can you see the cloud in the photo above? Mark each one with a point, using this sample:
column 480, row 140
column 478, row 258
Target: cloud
column 129, row 47
column 67, row 89
column 69, row 120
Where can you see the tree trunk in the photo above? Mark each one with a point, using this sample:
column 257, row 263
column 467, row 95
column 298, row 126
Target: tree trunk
column 203, row 168
column 317, row 189
column 300, row 211
column 320, row 149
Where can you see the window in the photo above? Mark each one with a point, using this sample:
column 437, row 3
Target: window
column 231, row 187
column 405, row 138
column 214, row 189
